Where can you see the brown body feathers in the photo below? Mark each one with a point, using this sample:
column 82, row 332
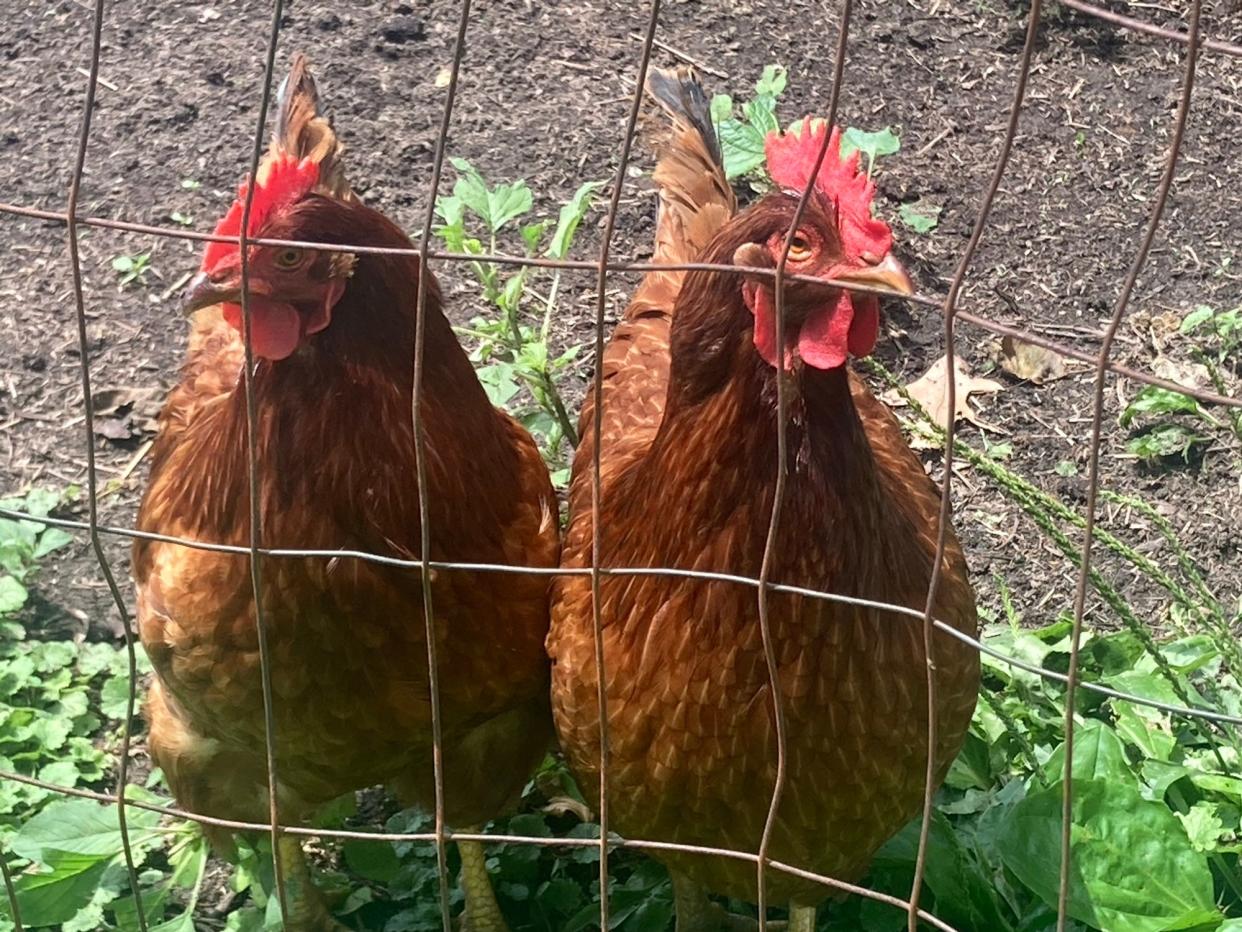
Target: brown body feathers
column 689, row 463
column 336, row 470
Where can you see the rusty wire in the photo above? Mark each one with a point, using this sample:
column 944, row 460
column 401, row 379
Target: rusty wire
column 1093, row 461
column 977, row 320
column 92, row 484
column 252, row 473
column 420, row 467
column 71, row 219
column 601, row 286
column 708, row 575
column 950, row 391
column 778, row 493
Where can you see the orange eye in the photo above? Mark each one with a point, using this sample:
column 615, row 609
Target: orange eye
column 799, row 248
column 288, row 258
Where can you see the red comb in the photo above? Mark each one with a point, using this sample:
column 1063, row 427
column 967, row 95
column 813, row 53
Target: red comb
column 285, row 180
column 791, row 157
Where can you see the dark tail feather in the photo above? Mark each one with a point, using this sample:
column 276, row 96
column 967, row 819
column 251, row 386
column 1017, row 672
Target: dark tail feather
column 681, row 95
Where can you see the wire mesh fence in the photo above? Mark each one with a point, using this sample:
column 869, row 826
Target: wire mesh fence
column 1190, row 41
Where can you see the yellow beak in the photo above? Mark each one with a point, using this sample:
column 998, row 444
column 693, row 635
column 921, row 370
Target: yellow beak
column 887, row 274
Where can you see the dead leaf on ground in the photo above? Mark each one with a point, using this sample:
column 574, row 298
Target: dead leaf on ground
column 929, row 391
column 1190, row 375
column 1030, row 362
column 127, row 412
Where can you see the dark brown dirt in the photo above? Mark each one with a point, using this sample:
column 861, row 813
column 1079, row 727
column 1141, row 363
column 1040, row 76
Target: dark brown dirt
column 544, row 93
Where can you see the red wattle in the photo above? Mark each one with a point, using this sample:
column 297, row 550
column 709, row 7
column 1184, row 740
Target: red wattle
column 275, row 327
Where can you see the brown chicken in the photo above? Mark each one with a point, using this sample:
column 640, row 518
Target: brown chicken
column 689, row 463
column 333, row 339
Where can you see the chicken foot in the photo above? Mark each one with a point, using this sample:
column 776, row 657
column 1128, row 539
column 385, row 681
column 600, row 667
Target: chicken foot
column 696, row 913
column 307, row 910
column 482, row 911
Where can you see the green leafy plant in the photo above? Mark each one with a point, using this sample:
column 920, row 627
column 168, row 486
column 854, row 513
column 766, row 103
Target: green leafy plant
column 742, row 134
column 130, row 269
column 511, row 352
column 1161, row 432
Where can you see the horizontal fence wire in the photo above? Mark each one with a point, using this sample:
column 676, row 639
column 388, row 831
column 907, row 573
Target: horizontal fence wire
column 255, row 552
column 984, row 323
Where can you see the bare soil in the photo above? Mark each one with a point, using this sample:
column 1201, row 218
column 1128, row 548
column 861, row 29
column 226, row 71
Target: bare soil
column 544, row 94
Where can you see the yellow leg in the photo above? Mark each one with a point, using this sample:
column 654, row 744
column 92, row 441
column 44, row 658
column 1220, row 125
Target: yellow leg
column 697, row 913
column 482, row 911
column 307, row 910
column 801, row 918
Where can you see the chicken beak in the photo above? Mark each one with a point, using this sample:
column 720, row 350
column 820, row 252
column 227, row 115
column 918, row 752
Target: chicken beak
column 202, row 292
column 888, row 274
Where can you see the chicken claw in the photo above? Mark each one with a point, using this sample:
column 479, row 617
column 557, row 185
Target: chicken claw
column 307, row 910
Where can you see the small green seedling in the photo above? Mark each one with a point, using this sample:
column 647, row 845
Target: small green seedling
column 132, row 269
column 178, row 217
column 872, row 145
column 511, row 351
column 920, row 217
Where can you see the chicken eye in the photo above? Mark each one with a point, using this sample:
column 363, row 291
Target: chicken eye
column 289, row 258
column 799, row 248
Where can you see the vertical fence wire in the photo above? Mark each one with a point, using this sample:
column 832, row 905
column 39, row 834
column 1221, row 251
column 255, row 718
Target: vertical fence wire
column 252, row 473
column 1093, row 454
column 942, row 530
column 92, row 484
column 420, row 462
column 778, row 493
column 601, row 301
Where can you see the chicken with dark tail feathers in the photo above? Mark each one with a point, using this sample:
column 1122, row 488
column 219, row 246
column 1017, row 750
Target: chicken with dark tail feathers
column 333, row 342
column 689, row 474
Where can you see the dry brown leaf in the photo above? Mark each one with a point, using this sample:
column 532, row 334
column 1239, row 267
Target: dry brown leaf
column 1191, row 375
column 1030, row 362
column 929, row 391
column 127, row 412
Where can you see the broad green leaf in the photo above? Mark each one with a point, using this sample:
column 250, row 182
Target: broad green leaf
column 52, row 539
column 12, row 595
column 965, row 895
column 57, row 895
column 972, row 767
column 741, row 147
column 872, row 145
column 80, row 826
column 1196, row 317
column 372, row 860
column 761, row 112
column 507, row 202
column 451, row 210
column 1151, row 399
column 1098, row 755
column 114, row 698
column 1133, row 867
column 721, row 108
column 572, row 212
